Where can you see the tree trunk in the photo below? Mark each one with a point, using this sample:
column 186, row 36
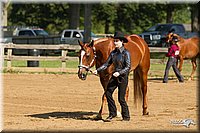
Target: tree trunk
column 117, row 20
column 74, row 10
column 198, row 5
column 194, row 18
column 106, row 26
column 87, row 23
column 4, row 17
column 169, row 10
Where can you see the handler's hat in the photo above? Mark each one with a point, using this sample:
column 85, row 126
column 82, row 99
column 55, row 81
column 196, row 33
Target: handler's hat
column 175, row 39
column 120, row 35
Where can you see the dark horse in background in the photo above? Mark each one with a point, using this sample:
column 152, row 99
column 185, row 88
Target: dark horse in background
column 97, row 52
column 189, row 49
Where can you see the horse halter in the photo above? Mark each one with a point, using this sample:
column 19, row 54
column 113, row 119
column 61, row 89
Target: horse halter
column 90, row 65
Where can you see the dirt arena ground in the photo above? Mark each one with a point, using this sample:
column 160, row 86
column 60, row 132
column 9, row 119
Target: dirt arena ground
column 51, row 102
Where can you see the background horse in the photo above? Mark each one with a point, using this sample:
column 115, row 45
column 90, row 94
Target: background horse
column 189, row 49
column 97, row 52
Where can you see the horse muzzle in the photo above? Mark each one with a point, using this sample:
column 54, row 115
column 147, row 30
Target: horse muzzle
column 82, row 76
column 82, row 73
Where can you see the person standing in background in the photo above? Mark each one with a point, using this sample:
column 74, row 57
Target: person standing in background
column 172, row 55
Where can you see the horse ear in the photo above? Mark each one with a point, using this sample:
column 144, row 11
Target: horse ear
column 91, row 43
column 110, row 36
column 171, row 31
column 80, row 43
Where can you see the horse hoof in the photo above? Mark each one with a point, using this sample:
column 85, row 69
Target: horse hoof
column 98, row 117
column 145, row 113
column 190, row 79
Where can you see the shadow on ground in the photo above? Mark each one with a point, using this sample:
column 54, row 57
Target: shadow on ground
column 78, row 115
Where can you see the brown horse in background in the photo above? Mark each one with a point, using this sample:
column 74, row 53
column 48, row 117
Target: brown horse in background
column 189, row 49
column 97, row 52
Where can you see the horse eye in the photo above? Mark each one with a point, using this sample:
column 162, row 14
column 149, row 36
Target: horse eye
column 88, row 54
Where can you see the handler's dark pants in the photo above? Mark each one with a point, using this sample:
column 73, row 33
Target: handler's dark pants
column 121, row 82
column 172, row 62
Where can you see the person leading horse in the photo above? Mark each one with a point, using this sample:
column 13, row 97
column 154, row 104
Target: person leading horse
column 96, row 54
column 120, row 58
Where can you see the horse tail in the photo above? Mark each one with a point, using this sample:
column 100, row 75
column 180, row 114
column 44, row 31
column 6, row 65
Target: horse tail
column 137, row 87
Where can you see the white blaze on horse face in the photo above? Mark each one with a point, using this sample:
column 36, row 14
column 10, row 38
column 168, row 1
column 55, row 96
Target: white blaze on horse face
column 82, row 54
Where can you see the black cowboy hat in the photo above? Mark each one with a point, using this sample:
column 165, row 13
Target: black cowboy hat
column 175, row 39
column 120, row 35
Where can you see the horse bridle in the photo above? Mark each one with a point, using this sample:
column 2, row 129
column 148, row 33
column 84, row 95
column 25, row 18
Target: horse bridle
column 90, row 65
column 172, row 35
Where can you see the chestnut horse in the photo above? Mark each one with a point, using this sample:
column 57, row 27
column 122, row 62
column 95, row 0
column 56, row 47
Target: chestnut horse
column 189, row 49
column 97, row 52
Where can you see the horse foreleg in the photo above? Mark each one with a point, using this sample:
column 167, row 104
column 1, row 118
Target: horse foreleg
column 180, row 64
column 127, row 94
column 104, row 82
column 194, row 66
column 177, row 63
column 101, row 111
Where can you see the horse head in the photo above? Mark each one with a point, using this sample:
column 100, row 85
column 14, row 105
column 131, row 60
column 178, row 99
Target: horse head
column 87, row 55
column 169, row 37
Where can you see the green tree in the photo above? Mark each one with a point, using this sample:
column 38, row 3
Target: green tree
column 51, row 17
column 106, row 17
column 135, row 18
column 104, row 14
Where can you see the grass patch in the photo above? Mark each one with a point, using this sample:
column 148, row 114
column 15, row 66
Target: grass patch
column 155, row 55
column 156, row 70
column 157, row 67
column 45, row 64
column 74, row 64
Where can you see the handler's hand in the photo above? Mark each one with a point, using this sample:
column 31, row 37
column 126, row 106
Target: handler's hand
column 95, row 72
column 116, row 74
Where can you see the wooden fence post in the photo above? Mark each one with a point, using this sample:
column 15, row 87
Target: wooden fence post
column 9, row 55
column 64, row 54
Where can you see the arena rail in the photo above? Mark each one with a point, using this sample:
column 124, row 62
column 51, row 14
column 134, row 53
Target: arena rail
column 63, row 47
column 63, row 58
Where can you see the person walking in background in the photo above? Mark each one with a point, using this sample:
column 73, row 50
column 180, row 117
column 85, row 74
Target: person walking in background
column 120, row 58
column 172, row 55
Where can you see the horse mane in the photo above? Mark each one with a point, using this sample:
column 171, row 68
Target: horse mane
column 110, row 36
column 100, row 40
column 103, row 45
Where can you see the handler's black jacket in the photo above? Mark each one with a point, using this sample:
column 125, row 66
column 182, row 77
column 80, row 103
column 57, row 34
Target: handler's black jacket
column 121, row 60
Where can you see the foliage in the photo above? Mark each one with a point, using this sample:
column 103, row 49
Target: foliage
column 51, row 17
column 182, row 15
column 106, row 17
column 103, row 14
column 45, row 64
